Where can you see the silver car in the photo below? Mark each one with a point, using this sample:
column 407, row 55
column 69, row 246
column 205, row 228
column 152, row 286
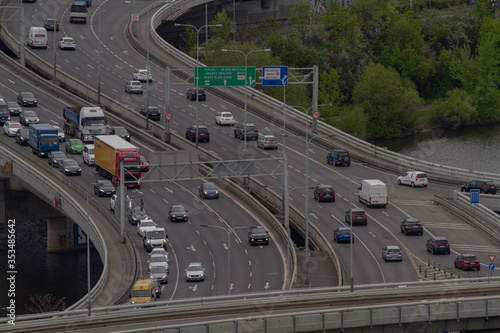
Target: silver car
column 159, row 272
column 134, row 87
column 144, row 225
column 267, row 142
column 392, row 253
column 195, row 272
column 28, row 117
column 157, row 260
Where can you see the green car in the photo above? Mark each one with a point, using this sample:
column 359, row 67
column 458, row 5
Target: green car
column 74, row 146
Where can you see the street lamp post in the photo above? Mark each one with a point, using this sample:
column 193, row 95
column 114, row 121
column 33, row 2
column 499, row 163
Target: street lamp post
column 88, row 251
column 196, row 78
column 307, row 186
column 246, row 84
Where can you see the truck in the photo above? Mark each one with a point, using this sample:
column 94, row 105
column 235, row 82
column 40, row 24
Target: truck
column 109, row 151
column 143, row 292
column 78, row 12
column 43, row 139
column 84, row 122
column 155, row 237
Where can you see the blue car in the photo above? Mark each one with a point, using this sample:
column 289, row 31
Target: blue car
column 209, row 191
column 343, row 234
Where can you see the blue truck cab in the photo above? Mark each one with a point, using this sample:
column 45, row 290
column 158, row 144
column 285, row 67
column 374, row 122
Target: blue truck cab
column 43, row 139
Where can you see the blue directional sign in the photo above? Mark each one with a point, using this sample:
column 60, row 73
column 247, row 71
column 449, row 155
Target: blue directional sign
column 474, row 196
column 275, row 76
column 491, row 266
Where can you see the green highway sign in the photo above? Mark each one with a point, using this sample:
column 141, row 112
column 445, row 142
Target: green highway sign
column 229, row 76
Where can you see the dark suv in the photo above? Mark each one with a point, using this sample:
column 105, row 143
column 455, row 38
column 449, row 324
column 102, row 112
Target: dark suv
column 358, row 217
column 324, row 193
column 484, row 186
column 438, row 245
column 258, row 235
column 251, row 129
column 412, row 226
column 191, row 94
column 203, row 134
column 339, row 157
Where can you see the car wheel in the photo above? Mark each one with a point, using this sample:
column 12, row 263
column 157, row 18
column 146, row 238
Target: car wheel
column 399, row 182
column 425, row 185
column 432, row 251
column 479, row 268
column 462, row 189
column 412, row 184
column 481, row 191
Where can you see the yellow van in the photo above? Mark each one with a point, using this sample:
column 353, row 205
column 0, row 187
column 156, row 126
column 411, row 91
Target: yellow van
column 143, row 292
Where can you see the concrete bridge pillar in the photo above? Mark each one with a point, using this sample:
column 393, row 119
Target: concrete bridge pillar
column 64, row 235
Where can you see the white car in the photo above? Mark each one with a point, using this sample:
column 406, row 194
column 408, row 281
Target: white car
column 60, row 133
column 413, row 178
column 224, row 118
column 145, row 225
column 114, row 198
column 134, row 87
column 142, row 75
column 11, row 127
column 66, row 43
column 159, row 250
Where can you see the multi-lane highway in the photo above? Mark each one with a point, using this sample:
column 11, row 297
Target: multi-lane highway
column 118, row 61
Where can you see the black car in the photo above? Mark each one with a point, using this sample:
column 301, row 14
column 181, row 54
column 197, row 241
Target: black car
column 484, row 186
column 51, row 24
column 55, row 158
column 438, row 245
column 121, row 132
column 203, row 134
column 70, row 167
column 154, row 112
column 104, row 188
column 26, row 98
column 208, row 191
column 177, row 213
column 191, row 94
column 14, row 108
column 358, row 217
column 339, row 157
column 22, row 136
column 412, row 226
column 324, row 193
column 137, row 213
column 252, row 133
column 258, row 235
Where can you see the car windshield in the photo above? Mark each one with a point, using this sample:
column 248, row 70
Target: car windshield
column 59, row 155
column 14, row 125
column 469, row 257
column 156, row 234
column 178, row 209
column 13, row 105
column 147, row 224
column 490, row 183
column 210, row 186
column 258, row 230
column 326, row 189
column 136, row 83
column 141, row 293
column 393, row 250
column 227, row 115
column 24, row 132
column 68, row 40
column 421, row 175
column 50, row 141
column 441, row 241
column 344, row 232
column 105, row 183
column 28, row 95
column 157, row 259
column 120, row 130
column 76, row 142
column 70, row 163
column 193, row 268
column 30, row 114
column 158, row 269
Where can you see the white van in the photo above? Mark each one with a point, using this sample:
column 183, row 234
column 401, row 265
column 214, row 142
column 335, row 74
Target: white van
column 373, row 192
column 88, row 155
column 37, row 37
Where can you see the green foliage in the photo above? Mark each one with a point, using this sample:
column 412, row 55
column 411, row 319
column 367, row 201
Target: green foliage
column 353, row 122
column 329, row 91
column 224, row 32
column 300, row 18
column 456, row 110
column 389, row 102
column 189, row 36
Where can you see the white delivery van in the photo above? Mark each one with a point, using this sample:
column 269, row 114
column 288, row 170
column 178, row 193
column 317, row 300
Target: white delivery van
column 37, row 37
column 373, row 192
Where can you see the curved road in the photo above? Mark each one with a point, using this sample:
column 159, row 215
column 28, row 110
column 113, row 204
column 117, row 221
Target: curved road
column 118, row 61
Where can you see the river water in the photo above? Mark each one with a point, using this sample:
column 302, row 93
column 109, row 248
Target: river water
column 63, row 275
column 476, row 148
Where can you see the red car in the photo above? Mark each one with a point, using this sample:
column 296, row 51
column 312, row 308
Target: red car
column 467, row 261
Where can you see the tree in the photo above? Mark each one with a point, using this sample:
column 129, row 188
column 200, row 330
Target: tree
column 189, row 37
column 353, row 122
column 300, row 18
column 456, row 110
column 329, row 91
column 389, row 102
column 45, row 303
column 223, row 32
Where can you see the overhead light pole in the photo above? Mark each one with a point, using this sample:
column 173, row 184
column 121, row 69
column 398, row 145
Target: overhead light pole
column 196, row 78
column 246, row 84
column 307, row 184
